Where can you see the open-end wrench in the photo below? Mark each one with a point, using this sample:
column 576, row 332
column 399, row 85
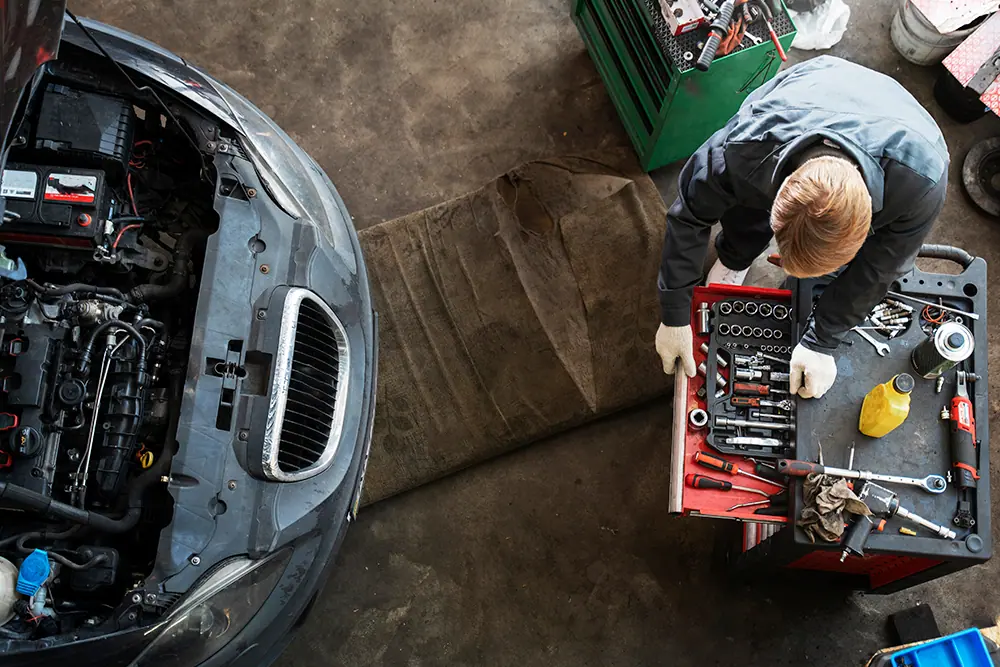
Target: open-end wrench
column 753, row 38
column 881, row 348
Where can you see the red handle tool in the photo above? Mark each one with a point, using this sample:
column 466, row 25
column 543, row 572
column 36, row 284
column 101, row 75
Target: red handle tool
column 696, row 481
column 716, row 463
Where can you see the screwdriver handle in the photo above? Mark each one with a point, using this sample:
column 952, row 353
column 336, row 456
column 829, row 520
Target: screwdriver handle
column 751, row 389
column 745, row 402
column 794, row 468
column 696, row 481
column 714, row 462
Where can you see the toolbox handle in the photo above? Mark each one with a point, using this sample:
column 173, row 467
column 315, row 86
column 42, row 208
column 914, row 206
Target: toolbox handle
column 948, row 252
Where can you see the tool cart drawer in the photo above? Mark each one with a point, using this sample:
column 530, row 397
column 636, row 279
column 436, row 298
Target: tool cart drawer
column 767, row 334
column 919, row 447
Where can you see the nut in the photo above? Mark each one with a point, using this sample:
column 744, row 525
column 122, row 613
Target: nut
column 195, row 560
column 251, row 192
column 265, row 268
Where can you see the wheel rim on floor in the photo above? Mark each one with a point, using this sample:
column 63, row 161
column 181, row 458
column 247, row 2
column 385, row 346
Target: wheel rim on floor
column 981, row 175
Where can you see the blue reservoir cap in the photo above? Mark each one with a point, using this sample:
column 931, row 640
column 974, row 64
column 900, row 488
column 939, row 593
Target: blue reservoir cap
column 33, row 573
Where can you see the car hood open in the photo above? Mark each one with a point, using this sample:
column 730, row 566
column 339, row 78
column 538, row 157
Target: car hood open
column 29, row 37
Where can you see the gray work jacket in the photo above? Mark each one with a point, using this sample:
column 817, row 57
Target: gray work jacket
column 871, row 118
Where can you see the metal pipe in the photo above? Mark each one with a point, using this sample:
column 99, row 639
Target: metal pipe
column 935, row 305
column 675, row 496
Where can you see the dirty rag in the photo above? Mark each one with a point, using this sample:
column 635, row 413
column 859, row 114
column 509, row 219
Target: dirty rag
column 826, row 500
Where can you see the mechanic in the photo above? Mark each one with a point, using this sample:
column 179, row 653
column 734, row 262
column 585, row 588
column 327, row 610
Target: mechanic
column 843, row 167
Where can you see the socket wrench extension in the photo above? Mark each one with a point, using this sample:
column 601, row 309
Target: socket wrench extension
column 723, row 422
column 751, row 441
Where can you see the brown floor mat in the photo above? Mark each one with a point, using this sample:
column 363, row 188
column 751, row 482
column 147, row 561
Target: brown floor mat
column 516, row 311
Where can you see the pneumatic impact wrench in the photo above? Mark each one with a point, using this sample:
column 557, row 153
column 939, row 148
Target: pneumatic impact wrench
column 884, row 505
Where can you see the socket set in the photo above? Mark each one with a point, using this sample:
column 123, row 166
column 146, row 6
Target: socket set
column 750, row 411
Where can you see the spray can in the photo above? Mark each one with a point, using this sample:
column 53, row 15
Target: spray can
column 950, row 345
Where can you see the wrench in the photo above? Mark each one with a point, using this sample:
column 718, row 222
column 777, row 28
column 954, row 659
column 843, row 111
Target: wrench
column 754, row 38
column 930, row 484
column 881, row 348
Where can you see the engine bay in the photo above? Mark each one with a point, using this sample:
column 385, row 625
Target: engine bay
column 107, row 208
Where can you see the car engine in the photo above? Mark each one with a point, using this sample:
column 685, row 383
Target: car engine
column 107, row 208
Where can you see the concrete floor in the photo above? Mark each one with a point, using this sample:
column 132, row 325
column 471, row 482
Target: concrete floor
column 560, row 553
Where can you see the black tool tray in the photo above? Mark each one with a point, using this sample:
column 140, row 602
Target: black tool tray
column 727, row 346
column 920, row 446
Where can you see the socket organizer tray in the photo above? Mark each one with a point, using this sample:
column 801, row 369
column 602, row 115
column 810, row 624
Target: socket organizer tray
column 750, row 409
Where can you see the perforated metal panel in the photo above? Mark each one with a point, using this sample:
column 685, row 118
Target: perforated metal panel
column 675, row 47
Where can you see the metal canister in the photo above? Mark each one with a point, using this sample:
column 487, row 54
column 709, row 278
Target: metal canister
column 950, row 345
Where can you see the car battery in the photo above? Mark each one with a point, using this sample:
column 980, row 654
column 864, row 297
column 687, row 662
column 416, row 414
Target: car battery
column 80, row 128
column 61, row 206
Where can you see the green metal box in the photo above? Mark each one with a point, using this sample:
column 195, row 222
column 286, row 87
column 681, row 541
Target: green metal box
column 668, row 107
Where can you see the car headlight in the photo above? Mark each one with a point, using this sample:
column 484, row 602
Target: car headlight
column 290, row 175
column 214, row 612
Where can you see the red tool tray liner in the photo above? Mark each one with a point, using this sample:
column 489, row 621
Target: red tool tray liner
column 708, row 502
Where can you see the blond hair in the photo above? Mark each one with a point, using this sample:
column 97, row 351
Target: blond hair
column 821, row 216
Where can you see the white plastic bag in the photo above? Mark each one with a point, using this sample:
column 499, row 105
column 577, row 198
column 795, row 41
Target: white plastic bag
column 822, row 27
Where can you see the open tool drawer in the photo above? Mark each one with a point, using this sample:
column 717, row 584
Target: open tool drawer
column 687, row 440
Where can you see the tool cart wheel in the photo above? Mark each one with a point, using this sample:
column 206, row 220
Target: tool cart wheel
column 959, row 102
column 981, row 175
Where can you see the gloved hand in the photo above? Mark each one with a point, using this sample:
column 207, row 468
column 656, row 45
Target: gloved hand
column 673, row 344
column 812, row 373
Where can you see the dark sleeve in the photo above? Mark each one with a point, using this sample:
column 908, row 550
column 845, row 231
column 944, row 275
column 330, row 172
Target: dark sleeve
column 884, row 257
column 704, row 193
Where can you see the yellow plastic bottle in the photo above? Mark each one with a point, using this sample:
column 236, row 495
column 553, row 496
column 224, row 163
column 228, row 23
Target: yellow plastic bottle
column 886, row 406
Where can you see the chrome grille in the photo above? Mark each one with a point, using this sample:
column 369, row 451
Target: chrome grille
column 308, row 392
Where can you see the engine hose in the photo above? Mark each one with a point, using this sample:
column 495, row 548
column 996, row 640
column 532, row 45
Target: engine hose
column 179, row 274
column 40, row 535
column 88, row 347
column 61, row 290
column 96, row 559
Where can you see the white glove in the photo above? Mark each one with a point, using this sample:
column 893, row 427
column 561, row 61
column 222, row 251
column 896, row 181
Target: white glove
column 812, row 373
column 673, row 344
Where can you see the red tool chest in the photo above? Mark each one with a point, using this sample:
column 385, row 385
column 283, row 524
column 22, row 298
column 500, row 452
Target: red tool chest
column 772, row 545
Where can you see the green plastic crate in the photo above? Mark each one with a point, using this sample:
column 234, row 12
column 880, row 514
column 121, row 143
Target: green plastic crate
column 667, row 106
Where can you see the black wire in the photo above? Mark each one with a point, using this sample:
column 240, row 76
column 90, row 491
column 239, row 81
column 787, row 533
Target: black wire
column 143, row 89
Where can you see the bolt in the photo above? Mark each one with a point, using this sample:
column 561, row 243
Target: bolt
column 264, row 268
column 137, row 598
column 195, row 560
column 165, row 479
column 261, row 314
column 243, row 435
column 223, row 148
column 251, row 192
column 150, row 598
column 210, row 145
column 132, row 616
column 232, row 485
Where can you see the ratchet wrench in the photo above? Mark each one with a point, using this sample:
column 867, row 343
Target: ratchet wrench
column 881, row 348
column 793, row 468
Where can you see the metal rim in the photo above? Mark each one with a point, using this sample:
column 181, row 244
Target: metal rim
column 279, row 389
column 981, row 175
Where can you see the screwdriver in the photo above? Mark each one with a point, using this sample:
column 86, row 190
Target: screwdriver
column 705, row 482
column 716, row 463
column 755, row 389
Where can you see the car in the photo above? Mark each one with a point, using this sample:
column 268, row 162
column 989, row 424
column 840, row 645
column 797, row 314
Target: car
column 188, row 358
